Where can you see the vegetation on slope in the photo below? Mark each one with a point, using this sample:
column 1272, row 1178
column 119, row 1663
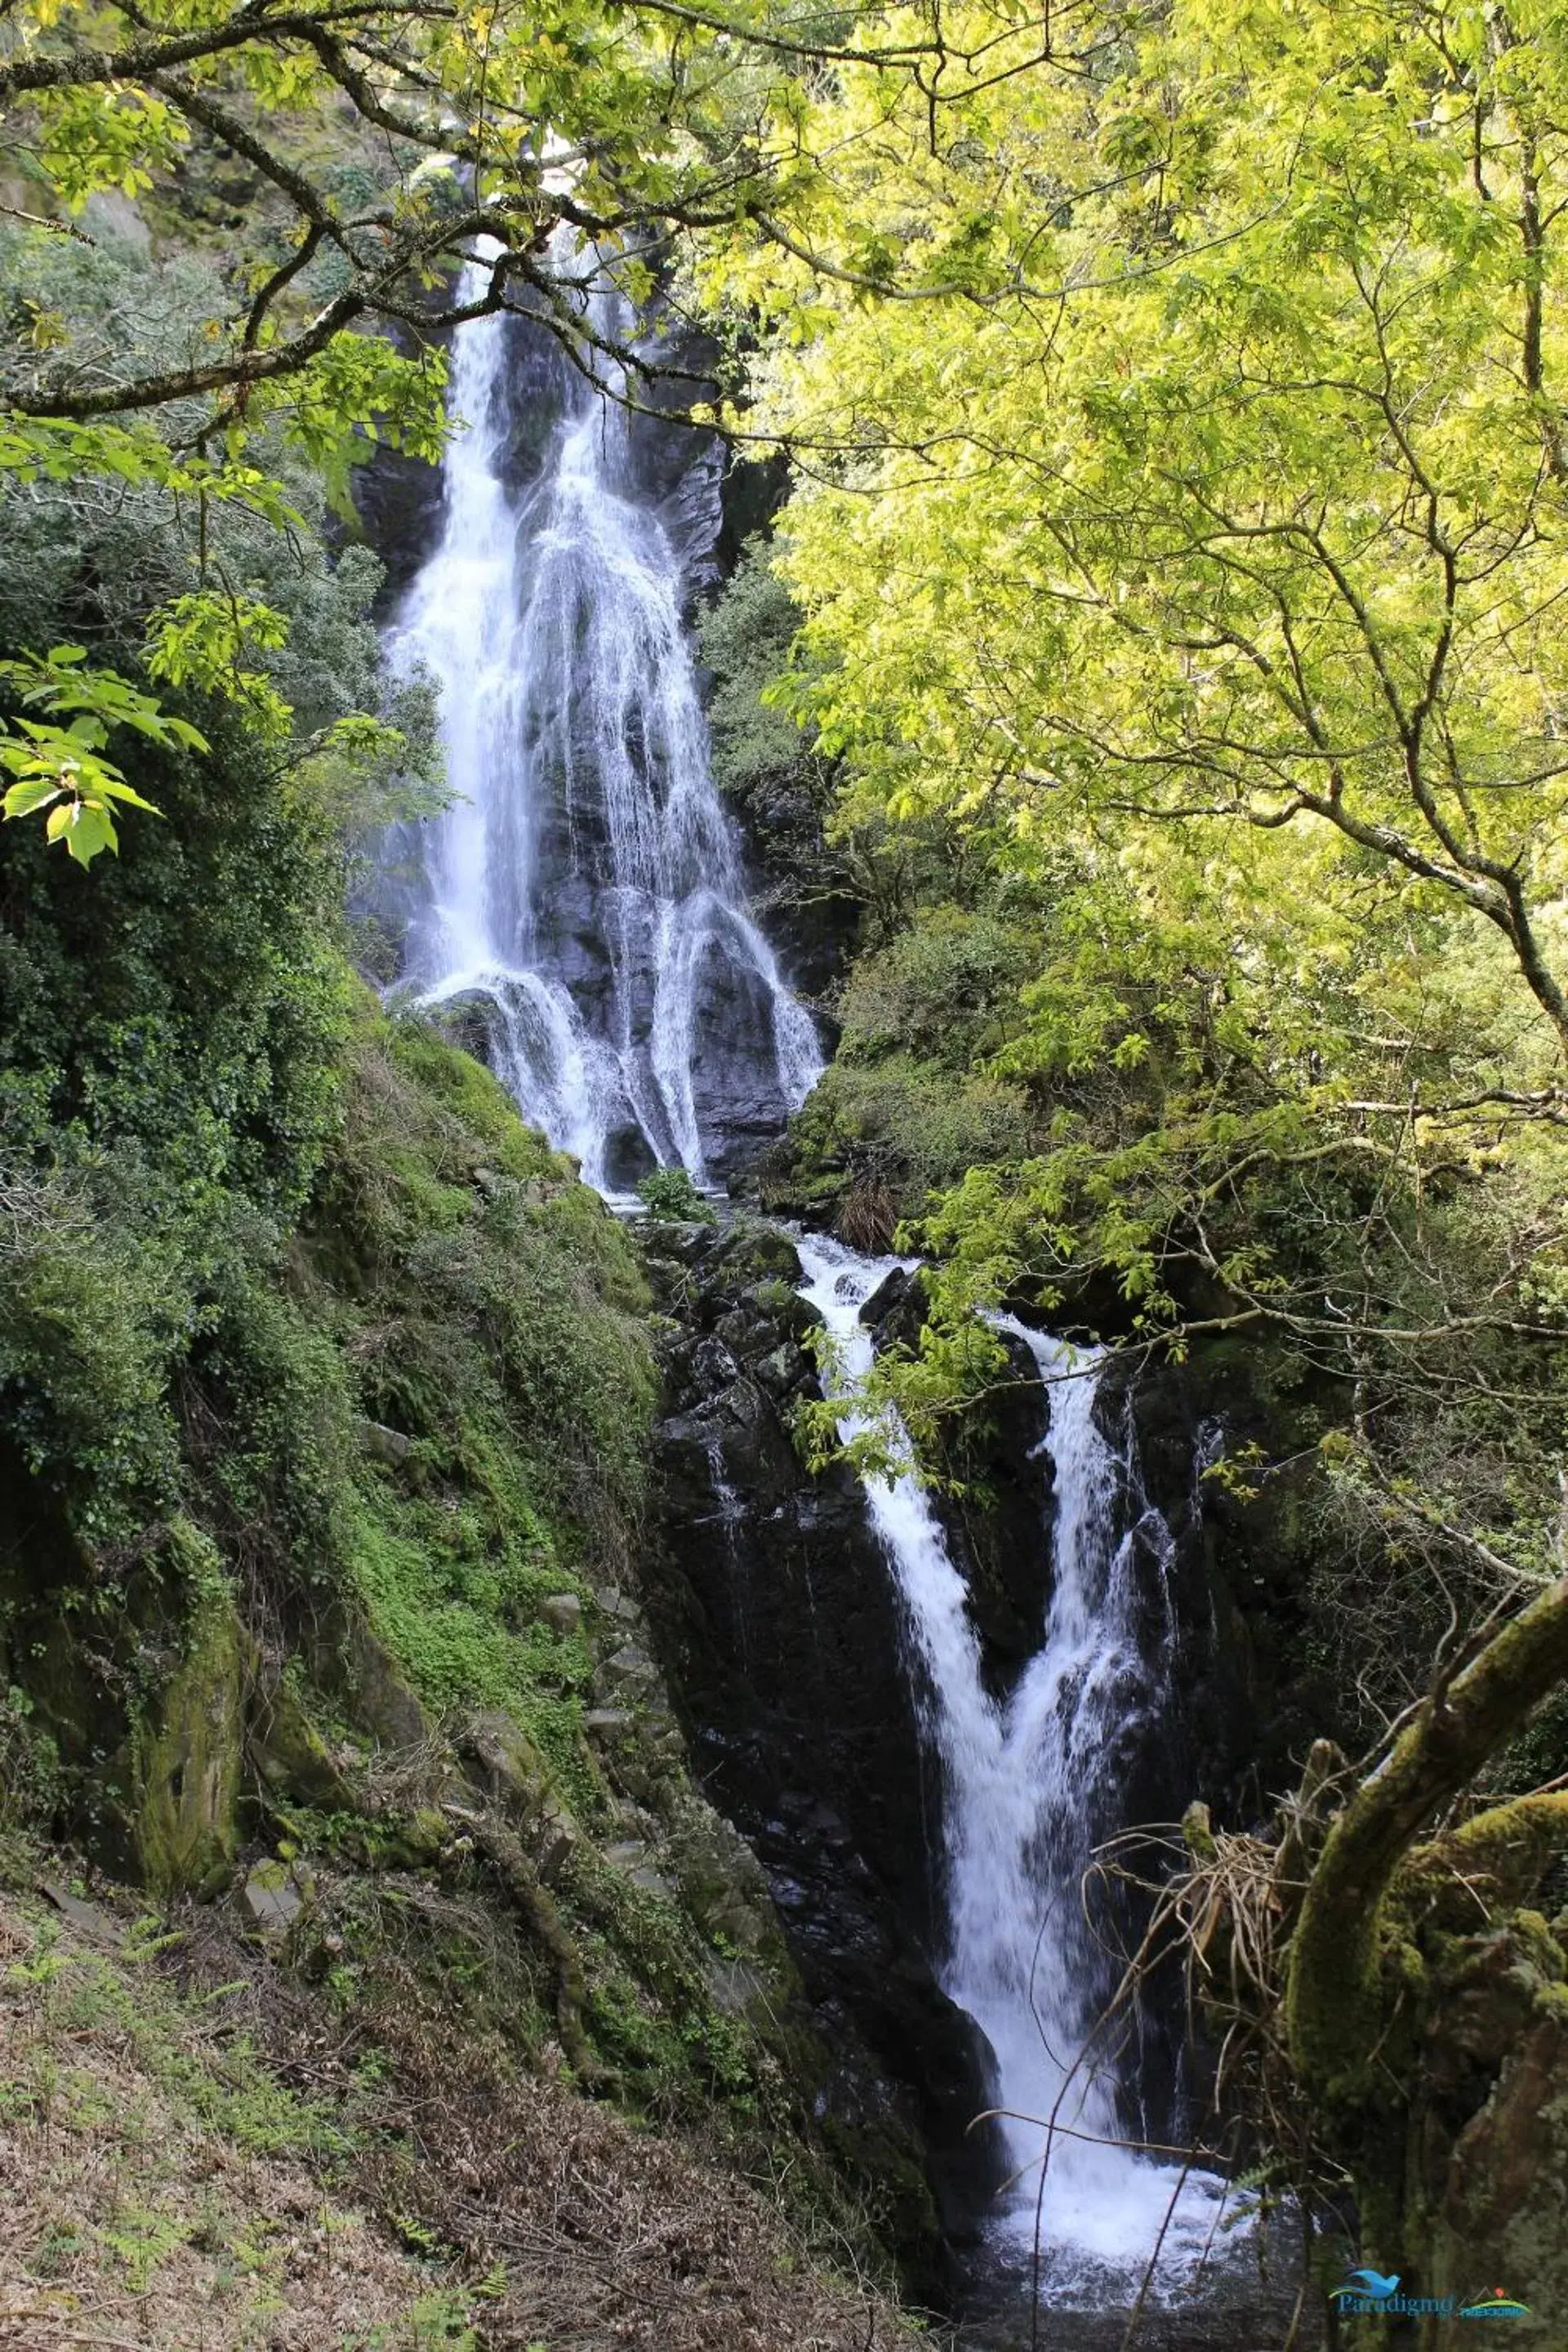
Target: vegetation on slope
column 208, row 2143
column 324, row 1402
column 351, row 1650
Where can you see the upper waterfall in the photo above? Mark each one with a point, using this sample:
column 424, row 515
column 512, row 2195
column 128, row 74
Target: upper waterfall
column 586, row 886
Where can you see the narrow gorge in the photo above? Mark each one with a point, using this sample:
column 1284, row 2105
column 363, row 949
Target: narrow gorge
column 926, row 1802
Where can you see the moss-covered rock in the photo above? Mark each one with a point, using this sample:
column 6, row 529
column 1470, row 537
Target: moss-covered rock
column 287, row 1752
column 189, row 1760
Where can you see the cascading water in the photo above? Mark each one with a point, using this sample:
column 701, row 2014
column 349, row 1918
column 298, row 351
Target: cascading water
column 584, row 895
column 1026, row 1782
column 584, row 888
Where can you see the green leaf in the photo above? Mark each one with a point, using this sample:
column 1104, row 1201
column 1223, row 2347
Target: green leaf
column 92, row 830
column 34, row 792
column 113, row 789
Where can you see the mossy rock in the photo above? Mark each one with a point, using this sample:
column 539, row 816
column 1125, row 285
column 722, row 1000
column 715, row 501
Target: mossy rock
column 287, row 1753
column 383, row 1699
column 189, row 1762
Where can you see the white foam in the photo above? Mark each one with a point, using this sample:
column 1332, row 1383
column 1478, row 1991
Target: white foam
column 551, row 621
column 1023, row 1781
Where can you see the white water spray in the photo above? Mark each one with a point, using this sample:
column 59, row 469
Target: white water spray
column 1024, row 1782
column 585, row 887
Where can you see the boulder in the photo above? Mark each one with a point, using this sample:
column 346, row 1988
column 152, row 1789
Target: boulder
column 189, row 1755
column 286, row 1750
column 382, row 1697
column 271, row 1897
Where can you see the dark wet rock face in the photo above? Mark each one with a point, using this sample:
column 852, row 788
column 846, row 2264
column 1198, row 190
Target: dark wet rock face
column 1252, row 1694
column 778, row 1623
column 779, row 1627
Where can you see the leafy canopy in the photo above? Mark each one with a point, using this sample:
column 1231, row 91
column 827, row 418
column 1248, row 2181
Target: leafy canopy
column 1176, row 398
column 1183, row 487
column 401, row 168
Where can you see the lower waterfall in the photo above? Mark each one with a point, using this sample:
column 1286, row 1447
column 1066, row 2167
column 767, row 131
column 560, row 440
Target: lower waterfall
column 1026, row 1781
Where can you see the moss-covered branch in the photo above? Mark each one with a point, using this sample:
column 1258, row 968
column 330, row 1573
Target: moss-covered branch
column 1333, row 2004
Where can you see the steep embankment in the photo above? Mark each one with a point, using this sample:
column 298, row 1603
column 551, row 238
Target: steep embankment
column 365, row 1707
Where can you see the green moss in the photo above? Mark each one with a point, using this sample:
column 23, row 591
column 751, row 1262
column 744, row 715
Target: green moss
column 910, row 1123
column 189, row 1760
column 466, row 1099
column 407, row 1423
column 288, row 1751
column 461, row 1625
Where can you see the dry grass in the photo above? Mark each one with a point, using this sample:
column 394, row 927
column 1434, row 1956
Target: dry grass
column 162, row 2190
column 199, row 2155
column 607, row 2236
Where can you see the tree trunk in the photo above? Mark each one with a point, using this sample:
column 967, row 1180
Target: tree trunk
column 1335, row 2005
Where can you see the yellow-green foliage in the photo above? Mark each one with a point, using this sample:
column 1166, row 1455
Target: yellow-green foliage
column 1185, row 534
column 914, row 1124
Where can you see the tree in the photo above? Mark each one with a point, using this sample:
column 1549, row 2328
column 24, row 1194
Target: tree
column 406, row 168
column 1387, row 1988
column 1196, row 467
column 1181, row 497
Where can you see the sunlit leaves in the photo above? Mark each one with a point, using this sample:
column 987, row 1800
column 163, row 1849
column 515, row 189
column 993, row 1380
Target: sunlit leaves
column 37, row 449
column 209, row 640
column 106, row 138
column 1191, row 515
column 361, row 389
column 59, row 770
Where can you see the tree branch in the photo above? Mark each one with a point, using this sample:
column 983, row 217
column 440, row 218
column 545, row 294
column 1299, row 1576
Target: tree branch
column 1335, row 2001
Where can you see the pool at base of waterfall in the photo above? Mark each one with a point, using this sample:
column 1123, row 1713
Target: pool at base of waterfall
column 1244, row 2294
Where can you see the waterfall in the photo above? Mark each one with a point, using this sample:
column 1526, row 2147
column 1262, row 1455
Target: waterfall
column 583, row 896
column 585, row 889
column 1030, row 1782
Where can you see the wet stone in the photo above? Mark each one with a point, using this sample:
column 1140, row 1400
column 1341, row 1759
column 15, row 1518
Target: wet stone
column 783, row 1369
column 564, row 1611
column 630, row 1664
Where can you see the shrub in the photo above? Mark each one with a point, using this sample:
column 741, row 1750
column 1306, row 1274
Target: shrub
column 947, row 988
column 670, row 1193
